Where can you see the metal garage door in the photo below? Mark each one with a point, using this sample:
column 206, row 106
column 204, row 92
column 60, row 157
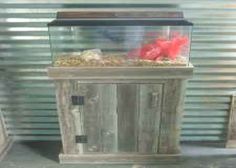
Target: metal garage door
column 27, row 96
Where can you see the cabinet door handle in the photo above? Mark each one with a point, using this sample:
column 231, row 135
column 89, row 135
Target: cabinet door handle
column 154, row 99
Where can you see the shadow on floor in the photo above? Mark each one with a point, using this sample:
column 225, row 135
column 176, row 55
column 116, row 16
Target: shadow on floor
column 45, row 155
column 48, row 150
column 51, row 150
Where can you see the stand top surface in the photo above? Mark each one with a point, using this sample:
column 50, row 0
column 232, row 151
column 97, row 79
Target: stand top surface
column 122, row 73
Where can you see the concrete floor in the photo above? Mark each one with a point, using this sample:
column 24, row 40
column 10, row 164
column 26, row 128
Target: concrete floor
column 44, row 155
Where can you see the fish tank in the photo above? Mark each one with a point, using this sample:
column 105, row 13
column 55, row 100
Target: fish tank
column 120, row 39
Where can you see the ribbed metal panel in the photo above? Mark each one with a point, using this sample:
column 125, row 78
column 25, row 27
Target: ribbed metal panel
column 27, row 96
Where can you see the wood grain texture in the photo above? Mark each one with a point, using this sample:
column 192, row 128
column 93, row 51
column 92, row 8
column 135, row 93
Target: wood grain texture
column 127, row 110
column 128, row 73
column 150, row 100
column 3, row 136
column 78, row 113
column 108, row 109
column 118, row 14
column 171, row 115
column 119, row 81
column 118, row 159
column 4, row 148
column 99, row 117
column 93, row 125
column 231, row 134
column 96, row 118
column 66, row 118
column 5, row 141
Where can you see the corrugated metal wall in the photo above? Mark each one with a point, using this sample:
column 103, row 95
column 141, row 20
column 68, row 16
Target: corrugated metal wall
column 27, row 96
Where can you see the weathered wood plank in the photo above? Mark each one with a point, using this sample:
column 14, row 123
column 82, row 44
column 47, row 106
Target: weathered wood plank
column 3, row 136
column 66, row 118
column 118, row 159
column 92, row 116
column 4, row 148
column 231, row 134
column 123, row 73
column 78, row 113
column 173, row 100
column 149, row 117
column 5, row 141
column 108, row 109
column 118, row 14
column 127, row 110
column 120, row 81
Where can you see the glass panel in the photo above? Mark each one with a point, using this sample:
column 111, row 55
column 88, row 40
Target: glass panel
column 120, row 45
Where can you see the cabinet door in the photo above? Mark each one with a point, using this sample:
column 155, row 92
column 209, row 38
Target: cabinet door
column 139, row 109
column 95, row 117
column 113, row 118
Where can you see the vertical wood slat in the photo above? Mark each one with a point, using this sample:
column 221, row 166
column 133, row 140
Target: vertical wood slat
column 171, row 116
column 149, row 117
column 67, row 125
column 127, row 98
column 231, row 134
column 91, row 122
column 3, row 135
column 5, row 141
column 78, row 113
column 108, row 109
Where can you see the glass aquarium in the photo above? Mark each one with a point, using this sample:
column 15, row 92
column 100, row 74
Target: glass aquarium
column 120, row 41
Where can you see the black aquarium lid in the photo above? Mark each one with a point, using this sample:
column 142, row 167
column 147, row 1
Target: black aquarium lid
column 119, row 22
column 120, row 18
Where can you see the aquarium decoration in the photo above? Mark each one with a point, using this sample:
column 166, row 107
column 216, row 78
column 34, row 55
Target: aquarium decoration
column 161, row 49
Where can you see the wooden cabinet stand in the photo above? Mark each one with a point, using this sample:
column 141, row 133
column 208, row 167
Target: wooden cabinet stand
column 120, row 115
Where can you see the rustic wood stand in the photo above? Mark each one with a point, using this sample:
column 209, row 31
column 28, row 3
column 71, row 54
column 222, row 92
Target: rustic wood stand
column 231, row 133
column 120, row 115
column 5, row 142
